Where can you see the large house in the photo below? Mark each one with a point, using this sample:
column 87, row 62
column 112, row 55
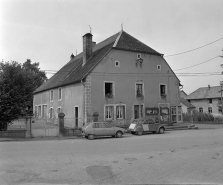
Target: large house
column 114, row 80
column 206, row 99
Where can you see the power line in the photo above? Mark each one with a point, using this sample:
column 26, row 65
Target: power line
column 193, row 49
column 196, row 64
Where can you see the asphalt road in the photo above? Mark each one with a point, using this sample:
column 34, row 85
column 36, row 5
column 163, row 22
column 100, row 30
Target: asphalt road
column 175, row 157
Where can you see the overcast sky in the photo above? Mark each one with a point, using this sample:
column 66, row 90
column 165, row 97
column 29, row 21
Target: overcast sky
column 49, row 31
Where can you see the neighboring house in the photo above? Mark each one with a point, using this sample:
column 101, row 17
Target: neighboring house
column 183, row 94
column 206, row 99
column 116, row 79
column 187, row 107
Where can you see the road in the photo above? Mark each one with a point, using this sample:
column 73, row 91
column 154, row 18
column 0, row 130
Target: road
column 175, row 157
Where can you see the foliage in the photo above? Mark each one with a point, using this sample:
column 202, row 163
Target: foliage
column 200, row 117
column 17, row 84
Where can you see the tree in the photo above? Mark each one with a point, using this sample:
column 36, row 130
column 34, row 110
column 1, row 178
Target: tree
column 17, row 84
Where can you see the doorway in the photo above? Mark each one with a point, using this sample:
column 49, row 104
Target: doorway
column 76, row 116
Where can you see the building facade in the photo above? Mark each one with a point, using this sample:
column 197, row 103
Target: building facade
column 115, row 81
column 207, row 99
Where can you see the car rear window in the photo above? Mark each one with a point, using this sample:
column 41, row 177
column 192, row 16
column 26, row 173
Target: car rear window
column 107, row 125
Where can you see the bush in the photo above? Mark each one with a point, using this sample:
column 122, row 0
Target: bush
column 200, row 116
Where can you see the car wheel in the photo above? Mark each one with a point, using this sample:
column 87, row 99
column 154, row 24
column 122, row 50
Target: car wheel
column 86, row 137
column 91, row 136
column 133, row 133
column 139, row 133
column 119, row 134
column 161, row 130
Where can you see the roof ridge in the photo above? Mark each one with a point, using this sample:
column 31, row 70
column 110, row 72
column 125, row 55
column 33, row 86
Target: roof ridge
column 117, row 39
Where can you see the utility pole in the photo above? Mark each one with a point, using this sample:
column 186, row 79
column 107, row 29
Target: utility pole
column 221, row 84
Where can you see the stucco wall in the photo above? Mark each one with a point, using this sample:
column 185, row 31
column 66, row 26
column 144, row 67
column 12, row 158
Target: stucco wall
column 204, row 103
column 72, row 95
column 125, row 77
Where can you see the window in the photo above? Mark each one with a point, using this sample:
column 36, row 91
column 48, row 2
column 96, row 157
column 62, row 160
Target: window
column 51, row 96
column 109, row 90
column 120, row 112
column 39, row 111
column 117, row 64
column 97, row 125
column 35, row 111
column 210, row 100
column 138, row 111
column 109, row 112
column 139, row 90
column 138, row 55
column 58, row 110
column 59, row 94
column 51, row 112
column 107, row 125
column 158, row 67
column 44, row 112
column 209, row 109
column 162, row 90
column 200, row 109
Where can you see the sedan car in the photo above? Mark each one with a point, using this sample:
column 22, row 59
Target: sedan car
column 93, row 129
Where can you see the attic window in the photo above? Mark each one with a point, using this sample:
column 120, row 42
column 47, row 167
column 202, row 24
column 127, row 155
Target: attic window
column 158, row 67
column 138, row 56
column 117, row 64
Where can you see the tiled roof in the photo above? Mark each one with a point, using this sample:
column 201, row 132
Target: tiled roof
column 187, row 103
column 129, row 43
column 205, row 93
column 73, row 71
column 183, row 94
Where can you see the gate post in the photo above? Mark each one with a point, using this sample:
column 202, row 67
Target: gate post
column 61, row 123
column 95, row 117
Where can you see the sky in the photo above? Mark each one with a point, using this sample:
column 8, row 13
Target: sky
column 49, row 31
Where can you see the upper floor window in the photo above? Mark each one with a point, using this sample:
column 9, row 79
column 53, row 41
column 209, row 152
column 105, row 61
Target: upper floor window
column 210, row 100
column 109, row 92
column 59, row 94
column 158, row 67
column 163, row 90
column 139, row 90
column 117, row 64
column 139, row 56
column 51, row 95
column 200, row 109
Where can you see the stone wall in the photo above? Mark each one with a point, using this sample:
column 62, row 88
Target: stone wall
column 13, row 134
column 72, row 132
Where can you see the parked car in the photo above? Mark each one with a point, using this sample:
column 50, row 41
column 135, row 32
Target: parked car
column 93, row 129
column 140, row 126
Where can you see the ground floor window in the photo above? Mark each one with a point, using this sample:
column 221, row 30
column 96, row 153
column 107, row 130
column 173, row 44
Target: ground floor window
column 51, row 112
column 44, row 111
column 209, row 109
column 200, row 109
column 120, row 112
column 35, row 111
column 39, row 111
column 109, row 112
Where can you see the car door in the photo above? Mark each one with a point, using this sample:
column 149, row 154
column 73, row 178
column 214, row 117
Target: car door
column 108, row 129
column 152, row 126
column 145, row 125
column 98, row 129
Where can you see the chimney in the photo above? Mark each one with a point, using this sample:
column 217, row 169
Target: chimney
column 72, row 56
column 87, row 47
column 209, row 86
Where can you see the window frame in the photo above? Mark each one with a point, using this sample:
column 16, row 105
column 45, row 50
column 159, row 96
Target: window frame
column 159, row 67
column 118, row 106
column 59, row 94
column 39, row 113
column 112, row 115
column 138, row 56
column 113, row 88
column 51, row 95
column 143, row 91
column 51, row 108
column 118, row 65
column 210, row 108
column 201, row 108
column 162, row 95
